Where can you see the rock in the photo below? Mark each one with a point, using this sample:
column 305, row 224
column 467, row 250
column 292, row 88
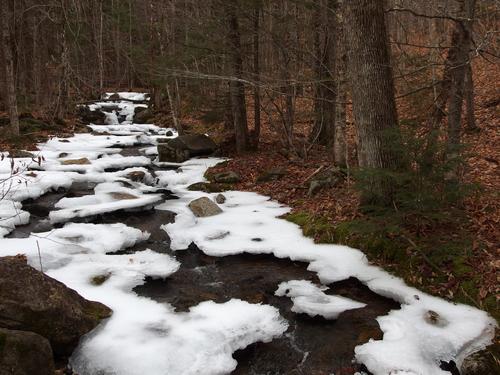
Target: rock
column 435, row 319
column 43, row 226
column 136, row 176
column 20, row 154
column 178, row 150
column 25, row 353
column 480, row 363
column 114, row 96
column 32, row 301
column 228, row 177
column 203, row 207
column 120, row 196
column 326, row 179
column 142, row 117
column 272, row 175
column 81, row 161
column 169, row 133
column 90, row 116
column 220, row 199
column 208, row 187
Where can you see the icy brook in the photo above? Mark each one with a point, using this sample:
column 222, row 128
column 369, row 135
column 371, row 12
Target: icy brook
column 242, row 292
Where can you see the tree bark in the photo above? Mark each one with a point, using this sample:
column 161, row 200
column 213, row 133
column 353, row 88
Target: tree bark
column 469, row 99
column 9, row 68
column 256, row 71
column 461, row 49
column 236, row 87
column 373, row 99
column 339, row 143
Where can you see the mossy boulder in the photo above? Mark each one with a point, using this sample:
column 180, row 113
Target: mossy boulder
column 89, row 116
column 25, row 353
column 180, row 149
column 271, row 175
column 32, row 301
column 228, row 177
column 208, row 187
column 143, row 116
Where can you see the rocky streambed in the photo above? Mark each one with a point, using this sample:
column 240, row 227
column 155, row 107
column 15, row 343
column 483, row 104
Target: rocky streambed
column 239, row 291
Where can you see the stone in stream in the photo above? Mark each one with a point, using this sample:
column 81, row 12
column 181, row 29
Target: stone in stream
column 220, row 199
column 142, row 116
column 180, row 149
column 90, row 116
column 25, row 353
column 136, row 176
column 208, row 187
column 33, row 301
column 81, row 161
column 203, row 207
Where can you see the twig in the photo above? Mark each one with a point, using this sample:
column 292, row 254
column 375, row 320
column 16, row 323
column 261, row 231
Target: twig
column 39, row 256
column 425, row 257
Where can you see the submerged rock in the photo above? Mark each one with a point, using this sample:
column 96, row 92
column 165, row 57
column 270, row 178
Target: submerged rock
column 180, row 149
column 32, row 301
column 203, row 207
column 25, row 353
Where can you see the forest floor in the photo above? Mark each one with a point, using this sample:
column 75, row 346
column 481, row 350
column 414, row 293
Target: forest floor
column 465, row 250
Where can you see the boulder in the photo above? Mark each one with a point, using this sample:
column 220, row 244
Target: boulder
column 180, row 149
column 203, row 207
column 143, row 116
column 32, row 301
column 114, row 96
column 25, row 353
column 326, row 179
column 169, row 133
column 91, row 116
column 220, row 199
column 228, row 177
column 136, row 176
column 208, row 187
column 272, row 175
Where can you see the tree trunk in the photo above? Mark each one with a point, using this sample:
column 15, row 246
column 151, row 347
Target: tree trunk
column 236, row 87
column 458, row 70
column 373, row 100
column 256, row 71
column 469, row 99
column 9, row 68
column 339, row 143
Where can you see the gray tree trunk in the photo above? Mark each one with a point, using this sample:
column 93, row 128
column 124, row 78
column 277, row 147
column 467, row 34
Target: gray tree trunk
column 9, row 68
column 236, row 87
column 373, row 100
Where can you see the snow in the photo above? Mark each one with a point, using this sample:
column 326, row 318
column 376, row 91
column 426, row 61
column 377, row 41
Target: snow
column 132, row 129
column 310, row 299
column 128, row 95
column 11, row 215
column 246, row 216
column 108, row 197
